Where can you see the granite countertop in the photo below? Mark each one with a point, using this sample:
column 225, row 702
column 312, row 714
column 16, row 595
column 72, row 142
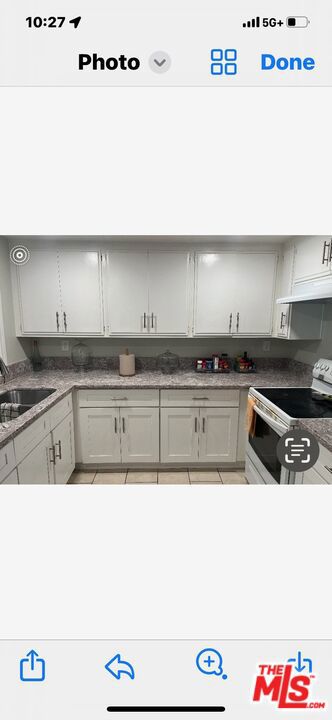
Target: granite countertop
column 64, row 381
column 321, row 428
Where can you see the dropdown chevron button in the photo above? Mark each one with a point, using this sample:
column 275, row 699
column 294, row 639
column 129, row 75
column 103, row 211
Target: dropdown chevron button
column 160, row 62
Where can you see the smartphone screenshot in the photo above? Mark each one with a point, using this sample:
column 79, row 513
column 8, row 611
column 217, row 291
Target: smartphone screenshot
column 165, row 359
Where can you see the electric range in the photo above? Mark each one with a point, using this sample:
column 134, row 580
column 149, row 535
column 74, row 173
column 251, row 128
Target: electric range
column 278, row 410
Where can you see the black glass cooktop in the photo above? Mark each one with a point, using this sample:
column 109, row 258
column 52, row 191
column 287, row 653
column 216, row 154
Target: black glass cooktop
column 299, row 402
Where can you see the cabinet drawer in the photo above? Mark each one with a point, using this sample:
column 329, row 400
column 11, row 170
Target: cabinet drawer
column 60, row 410
column 199, row 398
column 118, row 398
column 324, row 464
column 29, row 438
column 7, row 460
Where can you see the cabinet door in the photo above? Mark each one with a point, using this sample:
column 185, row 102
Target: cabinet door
column 218, row 434
column 37, row 467
column 312, row 258
column 311, row 477
column 139, row 435
column 282, row 319
column 168, row 293
column 215, row 292
column 39, row 293
column 179, row 435
column 63, row 441
column 12, row 479
column 81, row 292
column 100, row 435
column 254, row 293
column 283, row 312
column 128, row 293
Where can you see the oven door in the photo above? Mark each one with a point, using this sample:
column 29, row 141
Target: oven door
column 262, row 450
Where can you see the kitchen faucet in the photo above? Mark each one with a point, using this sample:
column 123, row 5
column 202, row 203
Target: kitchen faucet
column 4, row 372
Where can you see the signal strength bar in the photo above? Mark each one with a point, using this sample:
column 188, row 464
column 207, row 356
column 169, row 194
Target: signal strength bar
column 254, row 23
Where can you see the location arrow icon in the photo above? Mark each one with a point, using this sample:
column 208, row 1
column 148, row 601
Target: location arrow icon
column 118, row 667
column 76, row 21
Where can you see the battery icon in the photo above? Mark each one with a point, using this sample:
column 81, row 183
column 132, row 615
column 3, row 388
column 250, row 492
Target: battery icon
column 297, row 21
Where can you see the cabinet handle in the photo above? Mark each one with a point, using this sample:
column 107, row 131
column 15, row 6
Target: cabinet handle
column 52, row 454
column 60, row 450
column 237, row 321
column 116, row 399
column 282, row 320
column 115, row 425
column 144, row 321
column 57, row 321
column 200, row 398
column 328, row 468
column 152, row 320
column 6, row 462
column 330, row 254
column 65, row 321
column 230, row 322
column 327, row 246
column 123, row 425
column 196, row 424
column 203, row 425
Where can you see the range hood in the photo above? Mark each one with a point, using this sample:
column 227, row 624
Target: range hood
column 313, row 291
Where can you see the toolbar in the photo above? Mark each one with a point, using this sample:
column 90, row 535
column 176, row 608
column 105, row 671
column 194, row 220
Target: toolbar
column 158, row 43
column 84, row 679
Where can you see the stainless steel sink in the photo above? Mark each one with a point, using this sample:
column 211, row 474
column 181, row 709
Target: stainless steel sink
column 25, row 398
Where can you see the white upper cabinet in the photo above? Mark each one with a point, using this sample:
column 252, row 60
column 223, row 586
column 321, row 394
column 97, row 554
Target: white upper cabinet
column 313, row 258
column 254, row 279
column 300, row 321
column 148, row 293
column 234, row 293
column 60, row 292
column 39, row 293
column 215, row 293
column 127, row 291
column 168, row 293
column 81, row 292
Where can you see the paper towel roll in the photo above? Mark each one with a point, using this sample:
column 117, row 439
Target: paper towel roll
column 127, row 364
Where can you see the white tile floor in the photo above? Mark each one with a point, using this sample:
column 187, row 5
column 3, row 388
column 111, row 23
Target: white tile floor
column 162, row 477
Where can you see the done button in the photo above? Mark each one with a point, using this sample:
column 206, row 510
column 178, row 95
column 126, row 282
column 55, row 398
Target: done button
column 271, row 62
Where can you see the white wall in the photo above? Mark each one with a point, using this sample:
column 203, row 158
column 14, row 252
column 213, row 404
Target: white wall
column 150, row 347
column 14, row 349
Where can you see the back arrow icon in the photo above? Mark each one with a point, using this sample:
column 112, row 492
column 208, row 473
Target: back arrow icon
column 118, row 667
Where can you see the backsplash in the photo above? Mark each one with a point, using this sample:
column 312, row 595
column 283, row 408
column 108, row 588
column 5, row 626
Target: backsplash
column 18, row 368
column 184, row 347
column 149, row 364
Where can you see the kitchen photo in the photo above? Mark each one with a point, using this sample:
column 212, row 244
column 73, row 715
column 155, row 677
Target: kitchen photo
column 165, row 360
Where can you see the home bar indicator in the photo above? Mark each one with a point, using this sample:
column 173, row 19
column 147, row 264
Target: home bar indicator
column 166, row 709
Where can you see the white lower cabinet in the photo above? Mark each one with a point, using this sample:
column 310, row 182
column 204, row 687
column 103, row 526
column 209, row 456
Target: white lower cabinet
column 35, row 469
column 179, row 435
column 45, row 450
column 139, row 435
column 199, row 434
column 12, row 479
column 99, row 434
column 114, row 435
column 63, row 453
column 218, row 434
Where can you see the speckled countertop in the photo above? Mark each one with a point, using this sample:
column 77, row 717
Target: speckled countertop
column 321, row 429
column 65, row 381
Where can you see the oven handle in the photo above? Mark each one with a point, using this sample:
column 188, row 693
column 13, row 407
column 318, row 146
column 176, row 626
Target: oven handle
column 278, row 427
